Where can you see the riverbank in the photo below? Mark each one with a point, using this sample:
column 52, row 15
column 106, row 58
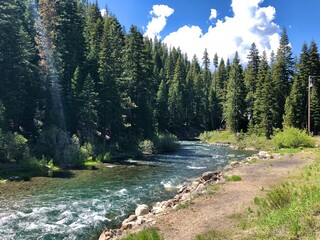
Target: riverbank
column 219, row 208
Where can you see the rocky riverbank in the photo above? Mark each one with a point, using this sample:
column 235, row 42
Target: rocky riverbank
column 147, row 215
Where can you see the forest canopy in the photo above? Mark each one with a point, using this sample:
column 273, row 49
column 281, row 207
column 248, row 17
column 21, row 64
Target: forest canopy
column 72, row 79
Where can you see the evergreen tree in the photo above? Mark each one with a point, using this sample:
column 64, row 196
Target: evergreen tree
column 176, row 99
column 234, row 106
column 264, row 106
column 18, row 72
column 314, row 68
column 88, row 115
column 282, row 75
column 206, row 75
column 110, row 70
column 296, row 103
column 138, row 81
column 251, row 76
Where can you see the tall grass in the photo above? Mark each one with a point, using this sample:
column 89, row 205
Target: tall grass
column 150, row 234
column 291, row 210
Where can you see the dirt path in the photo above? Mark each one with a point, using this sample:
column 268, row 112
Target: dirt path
column 215, row 211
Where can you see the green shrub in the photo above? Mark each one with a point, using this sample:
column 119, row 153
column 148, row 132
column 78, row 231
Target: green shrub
column 13, row 147
column 293, row 138
column 87, row 151
column 146, row 146
column 166, row 143
column 150, row 234
column 233, row 178
column 56, row 144
column 218, row 136
column 33, row 165
column 106, row 157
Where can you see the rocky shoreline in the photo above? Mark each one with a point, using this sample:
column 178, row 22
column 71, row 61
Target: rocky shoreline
column 198, row 186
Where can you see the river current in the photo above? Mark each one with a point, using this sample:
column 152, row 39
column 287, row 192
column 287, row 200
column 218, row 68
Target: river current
column 80, row 206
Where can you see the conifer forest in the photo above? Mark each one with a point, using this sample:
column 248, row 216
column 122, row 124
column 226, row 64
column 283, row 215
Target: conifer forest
column 74, row 83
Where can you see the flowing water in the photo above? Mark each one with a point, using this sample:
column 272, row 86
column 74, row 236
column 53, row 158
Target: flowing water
column 80, row 206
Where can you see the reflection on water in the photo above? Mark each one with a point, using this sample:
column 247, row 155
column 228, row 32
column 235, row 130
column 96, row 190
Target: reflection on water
column 80, row 206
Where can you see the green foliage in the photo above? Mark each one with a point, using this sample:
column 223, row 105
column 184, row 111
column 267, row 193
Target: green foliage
column 293, row 138
column 106, row 157
column 165, row 143
column 218, row 136
column 233, row 178
column 146, row 146
column 32, row 165
column 13, row 147
column 56, row 144
column 212, row 235
column 150, row 234
column 185, row 204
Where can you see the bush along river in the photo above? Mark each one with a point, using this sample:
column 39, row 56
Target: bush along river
column 80, row 205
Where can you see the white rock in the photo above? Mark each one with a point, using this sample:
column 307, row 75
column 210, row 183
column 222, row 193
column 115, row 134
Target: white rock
column 263, row 154
column 185, row 196
column 141, row 220
column 142, row 210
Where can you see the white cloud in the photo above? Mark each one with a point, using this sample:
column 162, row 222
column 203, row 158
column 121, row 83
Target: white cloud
column 159, row 15
column 250, row 23
column 214, row 14
column 103, row 12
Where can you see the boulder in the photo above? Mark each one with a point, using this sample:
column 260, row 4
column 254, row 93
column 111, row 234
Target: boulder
column 185, row 196
column 263, row 154
column 210, row 175
column 142, row 210
column 200, row 189
column 141, row 220
column 234, row 163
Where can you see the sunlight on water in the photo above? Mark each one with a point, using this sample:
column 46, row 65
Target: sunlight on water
column 79, row 207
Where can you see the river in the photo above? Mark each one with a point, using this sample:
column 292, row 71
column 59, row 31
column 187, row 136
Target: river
column 82, row 204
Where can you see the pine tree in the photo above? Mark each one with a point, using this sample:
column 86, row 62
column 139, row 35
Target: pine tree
column 264, row 106
column 251, row 75
column 18, row 72
column 206, row 75
column 110, row 70
column 88, row 115
column 234, row 106
column 93, row 33
column 282, row 75
column 314, row 68
column 176, row 98
column 296, row 103
column 138, row 81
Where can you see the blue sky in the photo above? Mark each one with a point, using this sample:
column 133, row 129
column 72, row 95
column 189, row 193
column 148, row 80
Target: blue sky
column 234, row 25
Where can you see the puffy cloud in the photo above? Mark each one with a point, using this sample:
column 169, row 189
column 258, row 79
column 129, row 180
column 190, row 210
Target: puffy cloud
column 159, row 15
column 214, row 14
column 250, row 23
column 103, row 12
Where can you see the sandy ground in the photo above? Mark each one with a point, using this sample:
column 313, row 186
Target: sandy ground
column 215, row 211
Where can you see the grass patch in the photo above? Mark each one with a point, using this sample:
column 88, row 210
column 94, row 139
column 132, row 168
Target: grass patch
column 213, row 235
column 233, row 178
column 185, row 204
column 288, row 150
column 292, row 210
column 218, row 136
column 211, row 189
column 149, row 234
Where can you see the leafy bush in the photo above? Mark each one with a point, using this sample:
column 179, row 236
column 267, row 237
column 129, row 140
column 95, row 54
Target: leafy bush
column 106, row 157
column 146, row 146
column 166, row 143
column 150, row 234
column 56, row 144
column 13, row 147
column 33, row 165
column 87, row 151
column 293, row 138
